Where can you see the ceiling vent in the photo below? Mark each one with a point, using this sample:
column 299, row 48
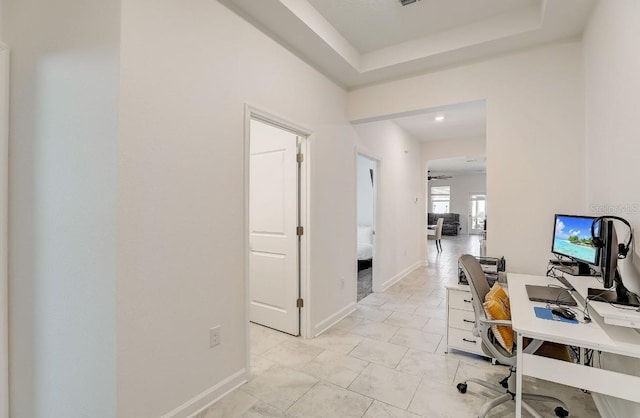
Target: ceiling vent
column 407, row 2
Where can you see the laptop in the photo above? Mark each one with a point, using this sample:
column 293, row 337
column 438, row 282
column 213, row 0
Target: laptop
column 549, row 294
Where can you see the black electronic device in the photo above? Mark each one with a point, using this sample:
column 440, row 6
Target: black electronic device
column 573, row 238
column 598, row 239
column 491, row 266
column 611, row 251
column 566, row 313
column 566, row 263
column 550, row 294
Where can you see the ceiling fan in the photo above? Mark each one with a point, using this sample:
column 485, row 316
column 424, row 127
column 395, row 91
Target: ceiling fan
column 438, row 177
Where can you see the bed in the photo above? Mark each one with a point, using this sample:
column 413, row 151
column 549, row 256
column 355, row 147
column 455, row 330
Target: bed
column 365, row 246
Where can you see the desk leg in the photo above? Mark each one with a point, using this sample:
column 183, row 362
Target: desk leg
column 519, row 377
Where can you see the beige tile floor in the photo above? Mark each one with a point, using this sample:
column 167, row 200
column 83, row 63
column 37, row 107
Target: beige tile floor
column 387, row 359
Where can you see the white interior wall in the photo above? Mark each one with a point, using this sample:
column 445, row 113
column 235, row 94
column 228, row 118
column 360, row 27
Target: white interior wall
column 399, row 237
column 63, row 206
column 4, row 203
column 461, row 186
column 612, row 65
column 365, row 190
column 181, row 268
column 535, row 118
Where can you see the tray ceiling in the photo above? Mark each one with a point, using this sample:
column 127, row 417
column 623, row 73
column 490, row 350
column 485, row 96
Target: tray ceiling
column 360, row 42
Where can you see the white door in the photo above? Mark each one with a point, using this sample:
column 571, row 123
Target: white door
column 477, row 212
column 273, row 219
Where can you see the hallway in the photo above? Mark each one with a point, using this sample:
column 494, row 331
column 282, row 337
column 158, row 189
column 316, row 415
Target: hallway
column 444, row 264
column 387, row 359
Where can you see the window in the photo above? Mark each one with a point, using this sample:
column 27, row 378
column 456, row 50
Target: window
column 440, row 196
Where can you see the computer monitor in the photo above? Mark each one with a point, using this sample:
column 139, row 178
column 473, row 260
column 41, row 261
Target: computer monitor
column 609, row 261
column 572, row 239
column 609, row 268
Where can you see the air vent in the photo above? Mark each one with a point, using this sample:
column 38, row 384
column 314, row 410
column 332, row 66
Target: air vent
column 407, row 2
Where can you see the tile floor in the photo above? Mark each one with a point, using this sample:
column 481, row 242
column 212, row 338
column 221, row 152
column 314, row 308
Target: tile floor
column 387, row 359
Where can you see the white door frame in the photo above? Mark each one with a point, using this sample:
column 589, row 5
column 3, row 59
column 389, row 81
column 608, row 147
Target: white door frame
column 377, row 238
column 304, row 256
column 4, row 177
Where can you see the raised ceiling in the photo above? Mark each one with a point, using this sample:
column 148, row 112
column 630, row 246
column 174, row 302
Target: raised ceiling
column 458, row 166
column 373, row 25
column 359, row 42
column 462, row 121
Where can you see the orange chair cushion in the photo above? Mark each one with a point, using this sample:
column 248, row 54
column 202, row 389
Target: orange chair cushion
column 497, row 292
column 496, row 306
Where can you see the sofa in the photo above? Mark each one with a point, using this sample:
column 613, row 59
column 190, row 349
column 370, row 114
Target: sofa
column 451, row 225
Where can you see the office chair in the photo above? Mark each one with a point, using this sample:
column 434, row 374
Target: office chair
column 482, row 328
column 437, row 234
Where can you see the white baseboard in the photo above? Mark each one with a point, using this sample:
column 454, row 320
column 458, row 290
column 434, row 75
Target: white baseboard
column 334, row 319
column 395, row 279
column 342, row 313
column 210, row 396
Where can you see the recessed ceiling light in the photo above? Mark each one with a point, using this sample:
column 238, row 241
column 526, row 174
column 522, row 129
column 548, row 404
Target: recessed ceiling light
column 439, row 118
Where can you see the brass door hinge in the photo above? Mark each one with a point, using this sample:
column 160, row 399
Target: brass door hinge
column 299, row 230
column 299, row 303
column 299, row 157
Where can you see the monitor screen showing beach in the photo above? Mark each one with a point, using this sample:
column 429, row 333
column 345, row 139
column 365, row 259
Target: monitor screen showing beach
column 572, row 238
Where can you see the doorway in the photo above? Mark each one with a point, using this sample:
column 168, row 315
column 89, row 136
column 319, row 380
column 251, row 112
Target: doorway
column 477, row 212
column 276, row 242
column 367, row 178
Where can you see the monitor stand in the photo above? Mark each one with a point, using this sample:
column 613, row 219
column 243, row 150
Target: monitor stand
column 620, row 296
column 582, row 269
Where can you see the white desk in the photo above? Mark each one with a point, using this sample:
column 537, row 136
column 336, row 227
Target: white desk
column 610, row 314
column 596, row 335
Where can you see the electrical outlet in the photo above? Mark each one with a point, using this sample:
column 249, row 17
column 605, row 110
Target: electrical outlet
column 214, row 336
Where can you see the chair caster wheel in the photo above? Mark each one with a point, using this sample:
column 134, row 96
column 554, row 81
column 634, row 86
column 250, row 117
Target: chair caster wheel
column 462, row 387
column 561, row 412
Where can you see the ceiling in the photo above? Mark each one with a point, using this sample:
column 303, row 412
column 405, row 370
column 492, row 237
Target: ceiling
column 462, row 121
column 360, row 42
column 458, row 166
column 372, row 25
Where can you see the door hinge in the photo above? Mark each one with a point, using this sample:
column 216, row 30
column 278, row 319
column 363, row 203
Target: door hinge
column 299, row 230
column 299, row 303
column 299, row 157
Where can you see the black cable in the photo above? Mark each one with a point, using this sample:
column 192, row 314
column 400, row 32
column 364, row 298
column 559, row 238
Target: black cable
column 550, row 270
column 558, row 296
column 588, row 356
